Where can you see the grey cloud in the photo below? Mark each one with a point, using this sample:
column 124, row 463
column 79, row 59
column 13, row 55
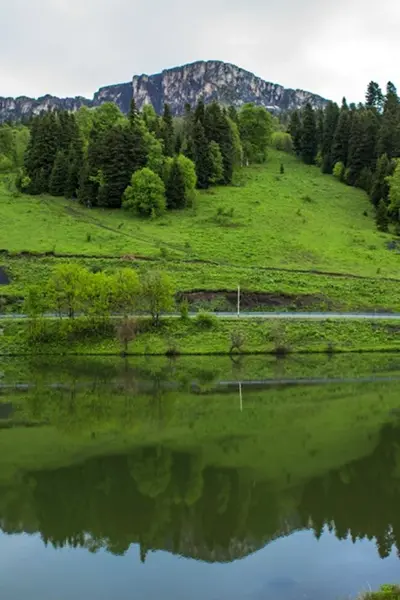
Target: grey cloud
column 72, row 47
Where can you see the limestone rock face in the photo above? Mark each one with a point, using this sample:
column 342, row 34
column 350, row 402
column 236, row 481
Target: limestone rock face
column 15, row 109
column 215, row 80
column 211, row 80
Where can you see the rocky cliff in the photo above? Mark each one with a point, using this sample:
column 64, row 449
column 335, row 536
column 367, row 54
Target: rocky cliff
column 212, row 80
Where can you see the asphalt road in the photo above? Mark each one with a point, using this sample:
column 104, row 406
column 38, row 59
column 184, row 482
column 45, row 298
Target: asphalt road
column 299, row 316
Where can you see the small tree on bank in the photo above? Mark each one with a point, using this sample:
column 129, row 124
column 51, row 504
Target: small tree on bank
column 126, row 332
column 157, row 294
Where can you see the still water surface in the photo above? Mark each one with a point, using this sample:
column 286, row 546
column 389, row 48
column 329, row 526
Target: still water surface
column 201, row 479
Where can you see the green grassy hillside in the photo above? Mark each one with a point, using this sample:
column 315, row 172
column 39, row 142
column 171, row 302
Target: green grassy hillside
column 261, row 235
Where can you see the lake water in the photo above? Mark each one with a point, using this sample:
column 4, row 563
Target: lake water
column 199, row 478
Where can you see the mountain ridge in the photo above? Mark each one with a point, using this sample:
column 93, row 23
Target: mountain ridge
column 211, row 80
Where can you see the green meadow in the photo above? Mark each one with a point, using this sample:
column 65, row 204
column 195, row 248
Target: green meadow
column 299, row 220
column 303, row 238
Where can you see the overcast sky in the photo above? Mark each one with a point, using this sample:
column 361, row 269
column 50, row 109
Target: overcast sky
column 72, row 47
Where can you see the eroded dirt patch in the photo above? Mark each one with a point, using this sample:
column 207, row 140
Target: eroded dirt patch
column 253, row 300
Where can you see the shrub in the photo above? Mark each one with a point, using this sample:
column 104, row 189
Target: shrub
column 224, row 216
column 184, row 309
column 206, row 320
column 278, row 337
column 237, row 341
column 338, row 171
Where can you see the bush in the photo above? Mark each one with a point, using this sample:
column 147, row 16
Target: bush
column 206, row 320
column 224, row 216
column 146, row 194
column 338, row 171
column 319, row 159
column 184, row 309
column 237, row 341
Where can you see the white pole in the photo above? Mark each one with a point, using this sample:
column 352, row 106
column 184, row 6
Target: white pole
column 238, row 302
column 240, row 396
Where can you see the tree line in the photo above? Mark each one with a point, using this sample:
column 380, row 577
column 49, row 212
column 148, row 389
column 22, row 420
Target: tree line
column 358, row 144
column 142, row 161
column 72, row 290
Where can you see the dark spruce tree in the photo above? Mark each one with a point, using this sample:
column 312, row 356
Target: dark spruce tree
column 389, row 135
column 295, row 130
column 380, row 185
column 68, row 129
column 331, row 117
column 201, row 156
column 133, row 114
column 75, row 162
column 199, row 113
column 59, row 174
column 87, row 188
column 340, row 144
column 362, row 148
column 188, row 125
column 374, row 96
column 121, row 162
column 309, row 142
column 167, row 131
column 355, row 161
column 320, row 118
column 41, row 152
column 175, row 190
column 217, row 129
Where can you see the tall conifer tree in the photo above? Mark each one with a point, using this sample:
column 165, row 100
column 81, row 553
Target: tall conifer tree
column 167, row 131
column 309, row 142
column 295, row 130
column 340, row 144
column 331, row 117
column 175, row 189
column 201, row 156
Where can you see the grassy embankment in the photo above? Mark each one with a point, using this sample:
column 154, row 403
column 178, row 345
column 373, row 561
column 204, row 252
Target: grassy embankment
column 215, row 336
column 298, row 241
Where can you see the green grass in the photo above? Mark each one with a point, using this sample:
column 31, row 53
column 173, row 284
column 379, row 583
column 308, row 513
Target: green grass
column 288, row 235
column 300, row 220
column 175, row 336
column 322, row 291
